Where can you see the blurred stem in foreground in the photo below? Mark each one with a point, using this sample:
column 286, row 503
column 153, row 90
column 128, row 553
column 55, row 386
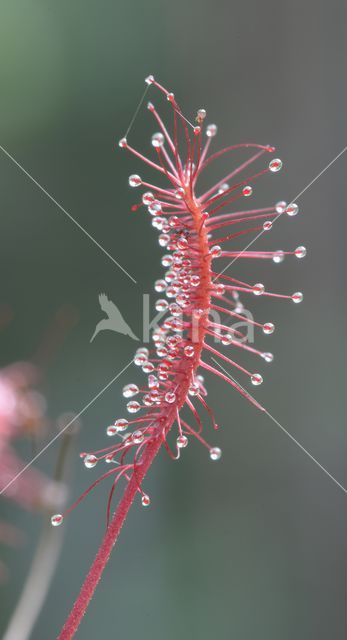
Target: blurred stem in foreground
column 46, row 557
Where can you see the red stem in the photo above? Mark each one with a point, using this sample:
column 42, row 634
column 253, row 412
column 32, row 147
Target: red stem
column 93, row 577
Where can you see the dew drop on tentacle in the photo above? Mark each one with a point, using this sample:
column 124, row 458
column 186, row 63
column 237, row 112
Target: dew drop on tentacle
column 275, row 165
column 268, row 328
column 137, row 437
column 161, row 305
column 211, row 130
column 182, row 441
column 280, row 206
column 258, row 289
column 195, row 280
column 194, row 389
column 256, row 379
column 135, row 180
column 146, row 501
column 292, row 209
column 111, row 430
column 170, row 397
column 140, row 359
column 179, row 193
column 215, row 251
column 149, row 80
column 130, row 390
column 148, row 198
column 223, row 187
column 121, row 424
column 215, row 453
column 157, row 140
column 57, row 520
column 154, row 208
column 268, row 357
column 133, row 406
column 297, row 297
column 278, row 256
column 90, row 461
column 247, row 191
column 300, row 252
column 267, row 225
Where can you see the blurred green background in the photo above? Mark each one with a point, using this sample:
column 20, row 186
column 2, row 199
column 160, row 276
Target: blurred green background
column 253, row 547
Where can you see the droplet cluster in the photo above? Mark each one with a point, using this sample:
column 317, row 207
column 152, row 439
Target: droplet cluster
column 194, row 236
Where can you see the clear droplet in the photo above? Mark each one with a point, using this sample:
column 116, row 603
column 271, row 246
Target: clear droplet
column 130, row 390
column 201, row 114
column 194, row 389
column 160, row 285
column 122, row 143
column 268, row 328
column 157, row 140
column 154, row 208
column 167, row 260
column 148, row 367
column 146, row 501
column 256, row 379
column 219, row 289
column 138, row 437
column 292, row 209
column 140, row 359
column 215, row 251
column 179, row 193
column 297, row 297
column 195, row 280
column 280, row 206
column 57, row 520
column 268, row 357
column 148, row 198
column 189, row 350
column 121, row 424
column 278, row 256
column 267, row 225
column 135, row 180
column 300, row 252
column 161, row 305
column 90, row 461
column 133, row 406
column 149, row 79
column 182, row 441
column 224, row 187
column 170, row 397
column 247, row 191
column 111, row 430
column 215, row 453
column 153, row 382
column 258, row 289
column 170, row 97
column 211, row 130
column 275, row 165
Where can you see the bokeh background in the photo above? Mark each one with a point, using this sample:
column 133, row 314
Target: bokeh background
column 253, row 547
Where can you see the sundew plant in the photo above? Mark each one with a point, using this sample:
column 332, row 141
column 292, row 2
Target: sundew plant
column 200, row 233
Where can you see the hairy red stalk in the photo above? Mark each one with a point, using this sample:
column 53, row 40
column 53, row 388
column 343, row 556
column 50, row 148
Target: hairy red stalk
column 186, row 224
